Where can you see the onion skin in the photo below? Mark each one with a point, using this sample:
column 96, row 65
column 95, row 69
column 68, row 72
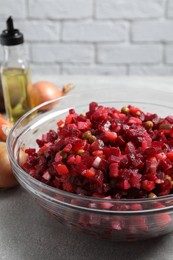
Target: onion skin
column 43, row 91
column 7, row 179
column 6, row 123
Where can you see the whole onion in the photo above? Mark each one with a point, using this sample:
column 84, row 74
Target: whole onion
column 7, row 179
column 43, row 91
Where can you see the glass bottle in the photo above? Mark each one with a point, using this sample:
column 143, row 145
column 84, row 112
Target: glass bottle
column 15, row 73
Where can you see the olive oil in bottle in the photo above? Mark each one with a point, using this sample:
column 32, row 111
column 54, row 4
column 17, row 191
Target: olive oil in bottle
column 14, row 73
column 15, row 87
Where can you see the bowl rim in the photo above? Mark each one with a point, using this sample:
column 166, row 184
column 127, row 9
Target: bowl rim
column 73, row 195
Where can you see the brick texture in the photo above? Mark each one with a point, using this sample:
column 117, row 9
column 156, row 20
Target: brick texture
column 151, row 70
column 52, row 53
column 13, row 8
column 94, row 69
column 169, row 54
column 170, row 9
column 34, row 31
column 98, row 31
column 129, row 9
column 129, row 54
column 45, row 69
column 152, row 31
column 110, row 37
column 60, row 9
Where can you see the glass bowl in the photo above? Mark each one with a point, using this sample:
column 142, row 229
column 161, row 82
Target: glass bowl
column 119, row 220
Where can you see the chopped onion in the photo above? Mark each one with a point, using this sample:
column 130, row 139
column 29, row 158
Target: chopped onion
column 96, row 162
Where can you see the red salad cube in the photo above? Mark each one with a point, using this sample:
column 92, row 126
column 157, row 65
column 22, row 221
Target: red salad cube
column 62, row 169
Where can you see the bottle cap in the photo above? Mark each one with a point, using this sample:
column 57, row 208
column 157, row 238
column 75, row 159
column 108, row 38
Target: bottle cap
column 11, row 36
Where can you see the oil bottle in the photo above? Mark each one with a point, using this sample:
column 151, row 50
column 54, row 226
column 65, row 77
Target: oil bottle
column 15, row 73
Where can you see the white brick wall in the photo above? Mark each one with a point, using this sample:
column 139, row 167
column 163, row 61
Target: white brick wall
column 152, row 31
column 129, row 9
column 62, row 52
column 170, row 9
column 95, row 31
column 169, row 54
column 15, row 8
column 111, row 37
column 60, row 9
column 129, row 54
column 34, row 30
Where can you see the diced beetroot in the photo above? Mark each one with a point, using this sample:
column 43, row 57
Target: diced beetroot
column 157, row 145
column 97, row 145
column 78, row 145
column 103, row 166
column 145, row 145
column 169, row 119
column 148, row 185
column 69, row 130
column 44, row 137
column 30, row 151
column 92, row 107
column 124, row 161
column 72, row 111
column 98, row 153
column 161, row 156
column 67, row 186
column 170, row 156
column 165, row 164
column 114, row 159
column 84, row 125
column 164, row 188
column 135, row 180
column 69, row 119
column 89, row 173
column 58, row 158
column 120, row 141
column 60, row 123
column 151, row 165
column 124, row 185
column 134, row 120
column 152, row 117
column 87, row 160
column 44, row 148
column 135, row 162
column 78, row 159
column 107, row 152
column 150, row 152
column 67, row 148
column 71, row 159
column 113, row 170
column 134, row 110
column 111, row 136
column 62, row 169
column 130, row 148
column 152, row 177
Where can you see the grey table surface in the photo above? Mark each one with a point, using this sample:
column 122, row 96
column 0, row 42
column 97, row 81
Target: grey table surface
column 27, row 232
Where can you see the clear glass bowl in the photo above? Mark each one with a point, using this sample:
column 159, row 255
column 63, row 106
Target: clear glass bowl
column 114, row 219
